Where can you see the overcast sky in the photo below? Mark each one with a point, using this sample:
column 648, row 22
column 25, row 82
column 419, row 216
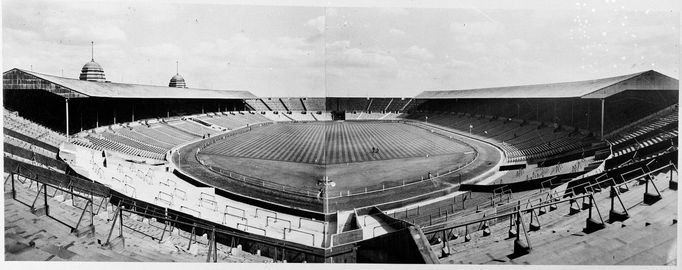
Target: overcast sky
column 343, row 49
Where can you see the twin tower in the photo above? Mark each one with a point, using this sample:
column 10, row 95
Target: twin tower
column 92, row 71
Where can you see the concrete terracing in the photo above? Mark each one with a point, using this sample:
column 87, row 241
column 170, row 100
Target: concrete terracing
column 30, row 237
column 648, row 237
column 155, row 185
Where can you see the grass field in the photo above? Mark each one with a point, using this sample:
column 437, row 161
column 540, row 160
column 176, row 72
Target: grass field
column 368, row 172
column 301, row 154
column 335, row 143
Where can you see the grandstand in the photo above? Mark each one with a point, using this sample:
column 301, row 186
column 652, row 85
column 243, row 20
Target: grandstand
column 515, row 174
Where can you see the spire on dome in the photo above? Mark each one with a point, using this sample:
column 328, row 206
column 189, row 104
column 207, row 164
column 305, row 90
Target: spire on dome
column 177, row 80
column 92, row 71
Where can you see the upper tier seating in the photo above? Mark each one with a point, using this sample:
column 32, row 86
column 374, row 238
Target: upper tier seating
column 378, row 104
column 298, row 116
column 314, row 104
column 257, row 105
column 153, row 140
column 274, row 104
column 521, row 141
column 661, row 128
column 293, row 104
column 397, row 104
column 32, row 129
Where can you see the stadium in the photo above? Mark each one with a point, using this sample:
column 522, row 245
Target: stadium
column 573, row 172
column 334, row 179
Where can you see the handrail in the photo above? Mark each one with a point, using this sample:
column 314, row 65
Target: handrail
column 265, row 233
column 227, row 207
column 311, row 220
column 542, row 184
column 183, row 193
column 298, row 231
column 439, row 227
column 134, row 194
column 264, row 210
column 208, row 195
column 211, row 202
column 158, row 198
column 233, row 215
column 267, row 221
column 198, row 214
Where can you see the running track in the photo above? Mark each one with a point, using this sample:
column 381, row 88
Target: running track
column 335, row 142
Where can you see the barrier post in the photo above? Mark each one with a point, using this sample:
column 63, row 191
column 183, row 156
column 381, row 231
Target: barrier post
column 113, row 223
column 165, row 224
column 14, row 192
column 215, row 246
column 210, row 251
column 47, row 209
column 191, row 236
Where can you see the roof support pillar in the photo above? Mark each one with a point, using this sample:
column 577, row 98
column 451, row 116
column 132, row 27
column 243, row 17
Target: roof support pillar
column 67, row 118
column 602, row 118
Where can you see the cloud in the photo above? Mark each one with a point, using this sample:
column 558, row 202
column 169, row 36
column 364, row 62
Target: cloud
column 396, row 32
column 317, row 23
column 340, row 54
column 394, row 11
column 477, row 28
column 458, row 64
column 164, row 50
column 85, row 33
column 241, row 50
column 330, row 11
column 360, row 58
column 417, row 53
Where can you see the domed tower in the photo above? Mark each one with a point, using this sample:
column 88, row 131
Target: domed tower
column 177, row 80
column 92, row 71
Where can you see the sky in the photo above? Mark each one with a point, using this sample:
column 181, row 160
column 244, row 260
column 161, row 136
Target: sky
column 345, row 48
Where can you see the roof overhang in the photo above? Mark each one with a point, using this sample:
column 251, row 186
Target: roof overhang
column 593, row 89
column 73, row 88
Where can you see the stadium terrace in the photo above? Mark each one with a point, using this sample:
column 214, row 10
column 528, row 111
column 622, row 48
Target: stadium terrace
column 227, row 175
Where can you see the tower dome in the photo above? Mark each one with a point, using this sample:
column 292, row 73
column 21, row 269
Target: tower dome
column 92, row 71
column 177, row 80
